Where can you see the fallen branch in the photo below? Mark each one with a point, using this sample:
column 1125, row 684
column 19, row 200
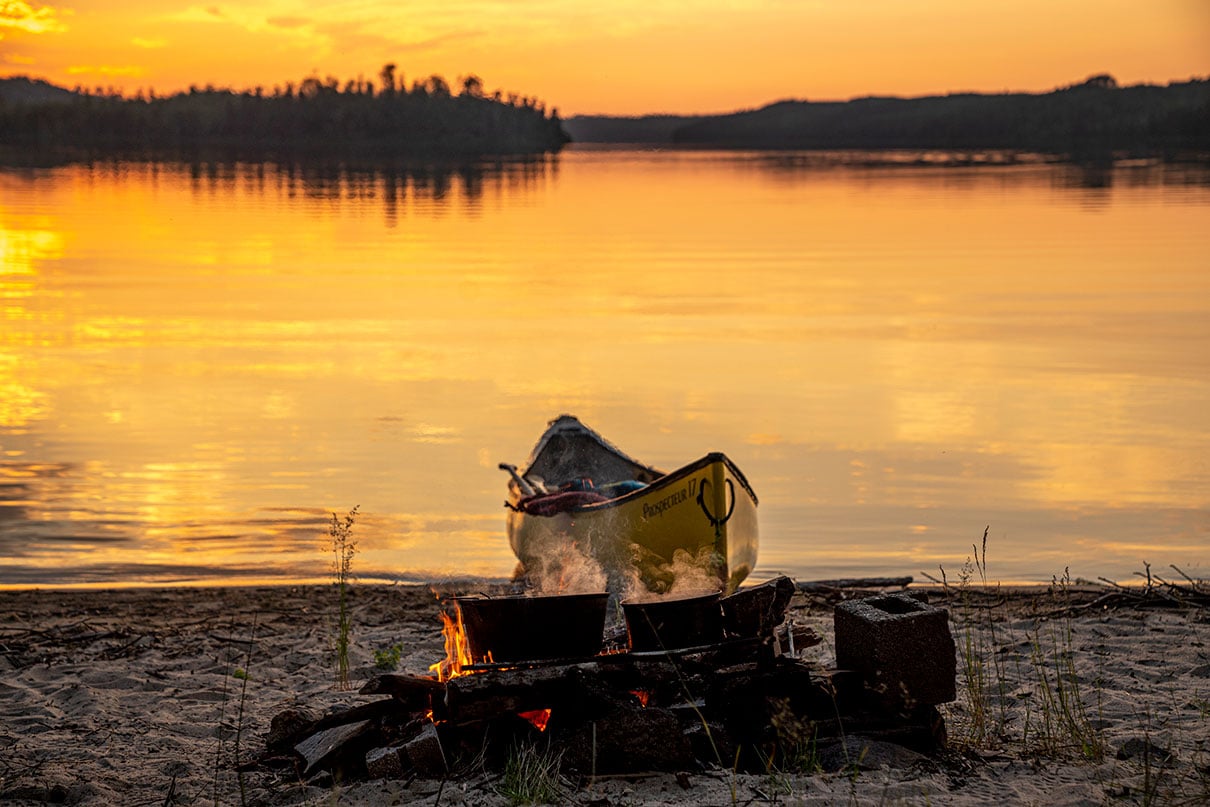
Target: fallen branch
column 824, row 586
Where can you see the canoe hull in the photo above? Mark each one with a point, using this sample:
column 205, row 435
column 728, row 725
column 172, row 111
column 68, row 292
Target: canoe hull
column 705, row 509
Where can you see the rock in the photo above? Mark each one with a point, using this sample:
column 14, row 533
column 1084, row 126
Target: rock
column 288, row 727
column 1201, row 671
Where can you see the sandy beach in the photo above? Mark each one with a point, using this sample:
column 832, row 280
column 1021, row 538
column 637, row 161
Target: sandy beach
column 145, row 697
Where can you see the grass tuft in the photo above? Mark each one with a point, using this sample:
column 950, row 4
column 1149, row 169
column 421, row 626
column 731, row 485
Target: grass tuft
column 388, row 658
column 532, row 775
column 1044, row 683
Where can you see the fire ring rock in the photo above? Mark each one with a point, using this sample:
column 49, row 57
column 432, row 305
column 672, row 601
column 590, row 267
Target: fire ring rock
column 901, row 647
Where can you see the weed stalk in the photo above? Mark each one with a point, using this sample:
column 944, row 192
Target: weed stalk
column 344, row 548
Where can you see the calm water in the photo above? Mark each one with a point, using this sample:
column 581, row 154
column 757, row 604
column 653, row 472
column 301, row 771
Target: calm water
column 198, row 365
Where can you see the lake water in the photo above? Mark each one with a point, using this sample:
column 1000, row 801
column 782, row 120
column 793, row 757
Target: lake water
column 198, row 365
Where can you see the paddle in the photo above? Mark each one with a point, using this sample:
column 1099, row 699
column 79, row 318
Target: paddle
column 526, row 488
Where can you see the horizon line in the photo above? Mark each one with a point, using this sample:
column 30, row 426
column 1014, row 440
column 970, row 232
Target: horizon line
column 125, row 93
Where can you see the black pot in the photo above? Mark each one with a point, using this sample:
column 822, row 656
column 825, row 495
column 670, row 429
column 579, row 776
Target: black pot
column 672, row 623
column 534, row 628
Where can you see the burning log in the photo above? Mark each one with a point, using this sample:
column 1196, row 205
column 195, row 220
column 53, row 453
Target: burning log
column 375, row 710
column 412, row 691
column 509, row 691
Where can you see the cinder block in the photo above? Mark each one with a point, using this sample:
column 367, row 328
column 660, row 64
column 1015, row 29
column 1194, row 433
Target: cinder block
column 901, row 647
column 426, row 753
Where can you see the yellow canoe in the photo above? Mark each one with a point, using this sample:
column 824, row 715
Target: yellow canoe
column 579, row 488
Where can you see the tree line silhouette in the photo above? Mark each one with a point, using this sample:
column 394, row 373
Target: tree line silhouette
column 1091, row 120
column 315, row 116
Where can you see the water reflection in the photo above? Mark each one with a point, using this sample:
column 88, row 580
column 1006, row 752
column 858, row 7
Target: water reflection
column 199, row 362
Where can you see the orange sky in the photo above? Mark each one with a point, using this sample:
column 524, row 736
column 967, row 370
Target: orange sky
column 617, row 57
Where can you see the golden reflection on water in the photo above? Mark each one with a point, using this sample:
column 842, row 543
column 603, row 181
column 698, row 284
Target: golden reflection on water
column 199, row 363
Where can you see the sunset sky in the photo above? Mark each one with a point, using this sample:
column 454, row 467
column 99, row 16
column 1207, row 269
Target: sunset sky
column 618, row 57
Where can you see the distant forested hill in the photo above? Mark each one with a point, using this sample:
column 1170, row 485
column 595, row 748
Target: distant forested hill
column 1090, row 119
column 23, row 91
column 1093, row 117
column 610, row 129
column 316, row 118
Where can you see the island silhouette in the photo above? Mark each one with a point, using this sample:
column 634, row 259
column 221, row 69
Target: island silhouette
column 313, row 117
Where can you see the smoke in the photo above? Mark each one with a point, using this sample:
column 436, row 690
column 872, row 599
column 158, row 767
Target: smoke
column 560, row 566
column 557, row 564
column 650, row 577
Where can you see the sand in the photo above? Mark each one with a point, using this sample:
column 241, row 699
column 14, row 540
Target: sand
column 148, row 697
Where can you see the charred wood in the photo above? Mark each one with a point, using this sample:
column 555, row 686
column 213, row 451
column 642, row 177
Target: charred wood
column 757, row 610
column 628, row 740
column 340, row 749
column 414, row 691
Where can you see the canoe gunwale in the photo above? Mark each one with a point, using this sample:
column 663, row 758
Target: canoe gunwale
column 667, row 480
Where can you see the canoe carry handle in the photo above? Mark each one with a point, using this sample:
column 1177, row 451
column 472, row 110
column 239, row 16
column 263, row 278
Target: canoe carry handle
column 701, row 500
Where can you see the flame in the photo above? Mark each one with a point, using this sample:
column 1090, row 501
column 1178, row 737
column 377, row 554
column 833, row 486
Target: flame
column 457, row 647
column 539, row 718
column 643, row 696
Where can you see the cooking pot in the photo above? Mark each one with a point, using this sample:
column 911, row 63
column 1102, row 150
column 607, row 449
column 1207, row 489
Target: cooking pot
column 534, row 628
column 674, row 622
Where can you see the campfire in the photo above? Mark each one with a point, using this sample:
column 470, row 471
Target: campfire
column 457, row 648
column 685, row 682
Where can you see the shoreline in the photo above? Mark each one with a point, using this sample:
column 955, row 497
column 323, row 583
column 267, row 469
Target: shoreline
column 425, row 580
column 133, row 696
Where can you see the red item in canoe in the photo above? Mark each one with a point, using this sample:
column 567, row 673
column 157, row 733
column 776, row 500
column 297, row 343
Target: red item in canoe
column 556, row 503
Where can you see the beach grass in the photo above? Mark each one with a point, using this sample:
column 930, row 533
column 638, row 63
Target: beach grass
column 1042, row 706
column 532, row 775
column 343, row 548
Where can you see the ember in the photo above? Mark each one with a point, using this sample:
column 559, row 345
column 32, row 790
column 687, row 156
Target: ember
column 538, row 718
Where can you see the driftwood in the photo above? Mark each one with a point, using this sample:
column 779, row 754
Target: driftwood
column 828, row 586
column 1157, row 592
